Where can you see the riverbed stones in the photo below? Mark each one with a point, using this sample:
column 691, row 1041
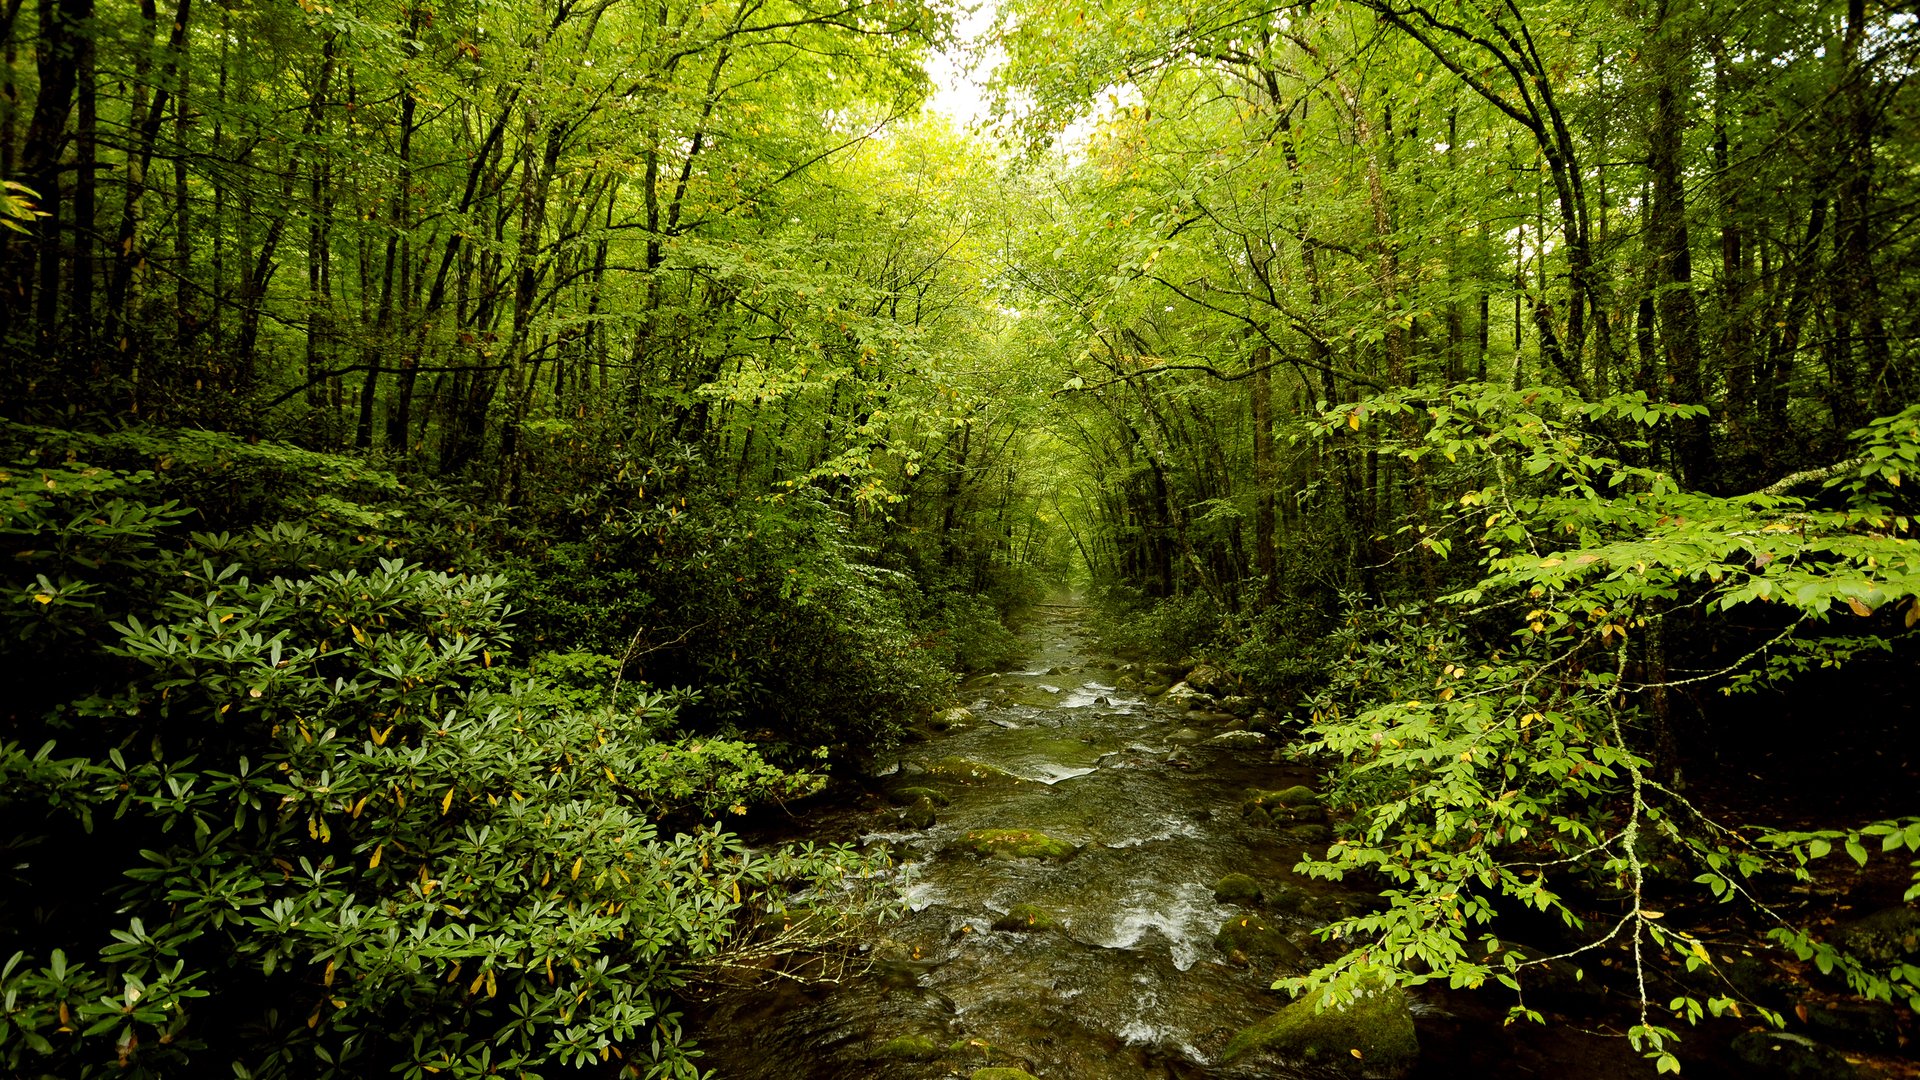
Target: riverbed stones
column 1027, row 918
column 1371, row 1036
column 1237, row 889
column 1786, row 1056
column 1016, row 844
column 999, row 1072
column 1246, row 938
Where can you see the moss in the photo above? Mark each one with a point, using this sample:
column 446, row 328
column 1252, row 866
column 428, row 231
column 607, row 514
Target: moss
column 920, row 815
column 910, row 1048
column 1372, row 1036
column 1016, row 844
column 997, row 1072
column 1245, row 938
column 907, row 796
column 1027, row 917
column 966, row 771
column 1295, row 796
column 1237, row 889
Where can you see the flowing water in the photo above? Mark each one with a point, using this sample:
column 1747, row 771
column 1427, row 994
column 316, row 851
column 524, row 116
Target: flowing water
column 1131, row 984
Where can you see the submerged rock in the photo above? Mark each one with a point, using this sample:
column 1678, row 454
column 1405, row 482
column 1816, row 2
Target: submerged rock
column 967, row 771
column 1370, row 1037
column 1016, row 844
column 1237, row 889
column 1246, row 938
column 1027, row 917
column 910, row 1048
column 1783, row 1054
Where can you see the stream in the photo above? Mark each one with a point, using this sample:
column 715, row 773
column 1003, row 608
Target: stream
column 1130, row 985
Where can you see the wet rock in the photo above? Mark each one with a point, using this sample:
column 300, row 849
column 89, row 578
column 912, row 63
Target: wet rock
column 1889, row 936
column 920, row 815
column 968, row 771
column 1238, row 705
column 1783, row 1054
column 1869, row 1025
column 958, row 716
column 1016, row 844
column 1027, row 918
column 907, row 796
column 1237, row 889
column 1307, row 835
column 910, row 1048
column 1153, row 687
column 1246, row 938
column 1183, row 696
column 1103, row 701
column 1038, row 697
column 1240, row 738
column 1288, row 799
column 1168, row 673
column 997, row 1072
column 1370, row 1037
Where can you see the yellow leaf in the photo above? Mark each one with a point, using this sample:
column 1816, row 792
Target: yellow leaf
column 446, row 804
column 374, row 863
column 43, row 598
column 1353, row 420
column 577, row 864
column 1859, row 608
column 1355, row 1052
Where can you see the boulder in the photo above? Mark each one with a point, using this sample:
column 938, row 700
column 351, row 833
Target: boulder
column 1785, row 1055
column 1183, row 696
column 1027, row 918
column 1016, row 844
column 920, row 815
column 1886, row 937
column 958, row 716
column 1292, row 798
column 1237, row 705
column 1369, row 1037
column 1237, row 889
column 1869, row 1025
column 1212, row 681
column 1000, row 1072
column 1246, row 938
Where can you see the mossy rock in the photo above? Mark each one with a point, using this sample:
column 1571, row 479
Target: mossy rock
column 966, row 771
column 1295, row 796
column 1016, row 844
column 1886, row 937
column 1155, row 687
column 1786, row 1055
column 907, row 796
column 1027, row 918
column 998, row 1072
column 920, row 815
column 910, row 1048
column 1246, row 938
column 1371, row 1037
column 958, row 716
column 1237, row 889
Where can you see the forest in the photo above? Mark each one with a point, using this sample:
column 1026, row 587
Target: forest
column 467, row 466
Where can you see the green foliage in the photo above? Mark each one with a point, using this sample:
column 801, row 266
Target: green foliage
column 1169, row 629
column 290, row 814
column 1495, row 750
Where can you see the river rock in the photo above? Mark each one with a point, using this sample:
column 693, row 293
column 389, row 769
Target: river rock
column 1307, row 835
column 1286, row 799
column 910, row 1048
column 1888, row 936
column 1238, row 705
column 907, row 796
column 1369, row 1037
column 998, row 1072
column 1183, row 696
column 1016, row 844
column 1237, row 889
column 956, row 717
column 920, row 815
column 1211, row 681
column 1246, row 938
column 1169, row 673
column 1784, row 1055
column 1027, row 918
column 968, row 771
column 1869, row 1025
